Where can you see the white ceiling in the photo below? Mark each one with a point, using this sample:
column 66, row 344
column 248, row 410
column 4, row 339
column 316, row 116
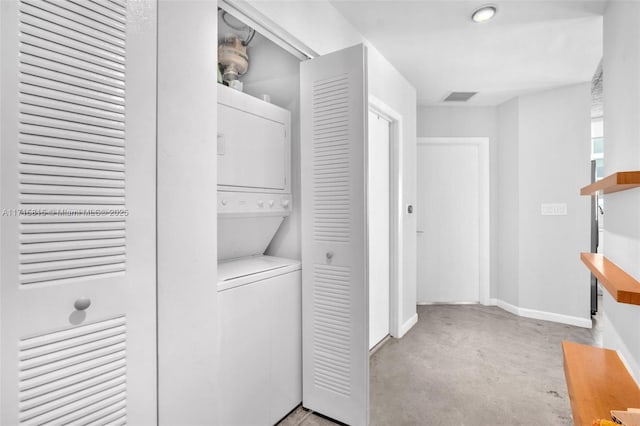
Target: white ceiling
column 528, row 46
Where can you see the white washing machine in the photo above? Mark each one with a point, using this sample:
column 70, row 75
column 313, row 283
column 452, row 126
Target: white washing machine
column 249, row 270
column 260, row 317
column 260, row 320
column 260, row 339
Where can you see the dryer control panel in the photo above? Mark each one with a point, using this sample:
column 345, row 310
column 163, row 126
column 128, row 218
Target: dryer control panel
column 247, row 203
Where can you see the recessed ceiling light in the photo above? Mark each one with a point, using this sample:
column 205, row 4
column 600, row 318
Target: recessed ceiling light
column 484, row 13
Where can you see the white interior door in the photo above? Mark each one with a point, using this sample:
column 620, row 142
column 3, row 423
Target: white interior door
column 77, row 192
column 378, row 205
column 449, row 217
column 334, row 235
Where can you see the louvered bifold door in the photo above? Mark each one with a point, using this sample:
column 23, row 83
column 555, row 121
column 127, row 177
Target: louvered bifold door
column 334, row 250
column 77, row 200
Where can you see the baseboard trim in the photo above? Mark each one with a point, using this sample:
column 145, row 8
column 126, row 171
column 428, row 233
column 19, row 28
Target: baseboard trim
column 508, row 307
column 550, row 316
column 542, row 315
column 613, row 340
column 408, row 325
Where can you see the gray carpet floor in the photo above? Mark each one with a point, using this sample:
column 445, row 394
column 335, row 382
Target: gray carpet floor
column 468, row 365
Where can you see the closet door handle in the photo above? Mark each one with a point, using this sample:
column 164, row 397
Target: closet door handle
column 82, row 303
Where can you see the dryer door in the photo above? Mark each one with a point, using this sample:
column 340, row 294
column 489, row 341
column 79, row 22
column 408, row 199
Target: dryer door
column 253, row 143
column 252, row 150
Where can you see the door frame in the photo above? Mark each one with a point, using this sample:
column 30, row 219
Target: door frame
column 186, row 197
column 269, row 29
column 484, row 193
column 396, row 237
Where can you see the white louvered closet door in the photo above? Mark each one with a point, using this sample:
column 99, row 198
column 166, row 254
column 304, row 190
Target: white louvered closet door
column 334, row 105
column 77, row 225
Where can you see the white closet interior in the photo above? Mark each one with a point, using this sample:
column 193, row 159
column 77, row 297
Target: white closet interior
column 259, row 282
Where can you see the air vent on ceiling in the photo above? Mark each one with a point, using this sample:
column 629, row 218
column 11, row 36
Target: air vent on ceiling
column 459, row 96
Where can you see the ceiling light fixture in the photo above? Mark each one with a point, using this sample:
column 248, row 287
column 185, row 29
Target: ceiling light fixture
column 484, row 13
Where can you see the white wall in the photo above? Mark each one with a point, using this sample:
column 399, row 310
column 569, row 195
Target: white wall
column 544, row 141
column 539, row 153
column 387, row 85
column 187, row 267
column 321, row 27
column 621, row 67
column 508, row 211
column 452, row 121
column 457, row 121
column 554, row 162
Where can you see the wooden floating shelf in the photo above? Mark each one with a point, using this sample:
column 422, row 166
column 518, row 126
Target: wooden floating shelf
column 619, row 181
column 622, row 286
column 598, row 382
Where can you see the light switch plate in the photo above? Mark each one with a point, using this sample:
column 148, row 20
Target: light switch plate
column 559, row 209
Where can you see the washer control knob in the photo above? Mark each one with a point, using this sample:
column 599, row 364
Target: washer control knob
column 224, row 202
column 270, row 203
column 285, row 203
column 260, row 203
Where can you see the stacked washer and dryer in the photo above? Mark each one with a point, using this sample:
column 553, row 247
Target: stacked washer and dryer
column 259, row 296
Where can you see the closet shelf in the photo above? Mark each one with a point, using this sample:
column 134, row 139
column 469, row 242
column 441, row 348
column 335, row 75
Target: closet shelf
column 598, row 382
column 619, row 181
column 622, row 286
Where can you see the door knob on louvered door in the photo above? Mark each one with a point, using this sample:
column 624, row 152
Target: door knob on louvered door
column 82, row 303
